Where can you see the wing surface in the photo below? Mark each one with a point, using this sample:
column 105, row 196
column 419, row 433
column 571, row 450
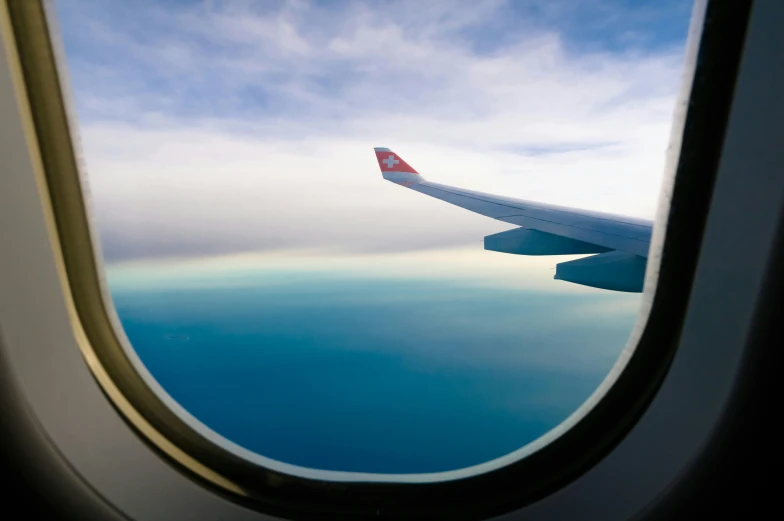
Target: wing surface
column 546, row 229
column 611, row 231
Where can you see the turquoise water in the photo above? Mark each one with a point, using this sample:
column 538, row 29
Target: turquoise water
column 390, row 375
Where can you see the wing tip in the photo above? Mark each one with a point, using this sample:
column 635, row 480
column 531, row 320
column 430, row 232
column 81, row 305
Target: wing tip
column 394, row 169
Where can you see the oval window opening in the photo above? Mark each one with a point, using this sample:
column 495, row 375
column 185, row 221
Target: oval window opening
column 392, row 244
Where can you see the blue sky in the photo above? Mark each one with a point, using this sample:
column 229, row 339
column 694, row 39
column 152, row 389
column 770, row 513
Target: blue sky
column 187, row 58
column 204, row 121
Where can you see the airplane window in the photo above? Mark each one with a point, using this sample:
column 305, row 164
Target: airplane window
column 402, row 239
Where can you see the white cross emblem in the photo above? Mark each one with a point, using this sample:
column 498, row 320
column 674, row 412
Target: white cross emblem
column 390, row 161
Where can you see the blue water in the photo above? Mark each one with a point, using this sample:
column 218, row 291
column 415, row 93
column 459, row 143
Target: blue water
column 376, row 375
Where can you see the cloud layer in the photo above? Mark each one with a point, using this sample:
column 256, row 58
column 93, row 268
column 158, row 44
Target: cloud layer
column 222, row 127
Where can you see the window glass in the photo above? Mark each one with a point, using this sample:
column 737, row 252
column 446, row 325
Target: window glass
column 299, row 304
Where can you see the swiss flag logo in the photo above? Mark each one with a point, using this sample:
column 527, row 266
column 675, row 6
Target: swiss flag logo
column 391, row 162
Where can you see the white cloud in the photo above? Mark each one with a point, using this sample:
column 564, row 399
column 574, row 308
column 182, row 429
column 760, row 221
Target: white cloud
column 301, row 174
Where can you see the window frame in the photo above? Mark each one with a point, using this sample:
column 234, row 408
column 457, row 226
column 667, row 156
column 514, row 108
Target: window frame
column 658, row 340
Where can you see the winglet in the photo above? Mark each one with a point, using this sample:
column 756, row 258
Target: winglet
column 394, row 169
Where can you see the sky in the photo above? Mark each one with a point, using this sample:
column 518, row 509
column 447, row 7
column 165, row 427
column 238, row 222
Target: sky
column 212, row 128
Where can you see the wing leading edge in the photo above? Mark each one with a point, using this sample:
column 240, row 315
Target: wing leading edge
column 619, row 244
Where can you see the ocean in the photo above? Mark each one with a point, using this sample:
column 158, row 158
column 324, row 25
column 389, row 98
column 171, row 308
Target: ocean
column 350, row 370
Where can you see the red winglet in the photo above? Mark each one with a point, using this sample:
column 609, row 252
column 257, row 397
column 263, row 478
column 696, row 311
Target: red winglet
column 388, row 161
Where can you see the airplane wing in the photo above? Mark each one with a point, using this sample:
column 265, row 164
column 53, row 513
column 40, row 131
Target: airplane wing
column 619, row 244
